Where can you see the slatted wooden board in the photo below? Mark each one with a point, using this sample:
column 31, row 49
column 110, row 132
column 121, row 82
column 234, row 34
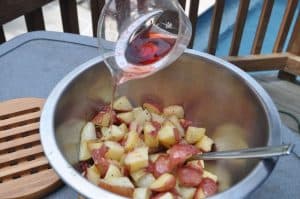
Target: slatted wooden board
column 24, row 170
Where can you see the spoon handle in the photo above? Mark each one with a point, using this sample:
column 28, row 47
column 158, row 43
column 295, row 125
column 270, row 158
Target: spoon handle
column 259, row 152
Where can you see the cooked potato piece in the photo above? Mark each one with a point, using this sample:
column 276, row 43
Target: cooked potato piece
column 163, row 183
column 141, row 116
column 112, row 172
column 94, row 144
column 115, row 150
column 175, row 121
column 187, row 192
column 124, row 128
column 141, row 193
column 150, row 135
column 137, row 175
column 122, row 104
column 174, row 110
column 93, row 175
column 205, row 144
column 167, row 135
column 194, row 134
column 119, row 185
column 152, row 108
column 126, row 117
column 157, row 118
column 137, row 159
column 132, row 140
column 207, row 174
column 116, row 133
column 166, row 195
column 146, row 180
column 88, row 133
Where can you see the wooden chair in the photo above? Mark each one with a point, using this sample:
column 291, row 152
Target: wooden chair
column 287, row 62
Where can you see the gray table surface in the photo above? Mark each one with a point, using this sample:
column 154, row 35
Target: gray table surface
column 32, row 64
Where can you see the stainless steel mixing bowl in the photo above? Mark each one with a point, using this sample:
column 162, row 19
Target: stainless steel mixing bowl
column 236, row 111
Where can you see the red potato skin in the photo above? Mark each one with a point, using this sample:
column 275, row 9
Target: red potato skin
column 123, row 191
column 156, row 125
column 208, row 186
column 179, row 153
column 197, row 167
column 189, row 177
column 98, row 156
column 161, row 166
column 185, row 123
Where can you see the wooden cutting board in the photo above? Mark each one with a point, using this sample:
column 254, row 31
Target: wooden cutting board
column 24, row 170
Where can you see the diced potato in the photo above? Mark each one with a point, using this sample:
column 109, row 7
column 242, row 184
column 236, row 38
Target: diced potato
column 146, row 180
column 152, row 108
column 157, row 118
column 205, row 144
column 112, row 172
column 126, row 117
column 141, row 193
column 93, row 175
column 207, row 174
column 194, row 134
column 116, row 133
column 175, row 121
column 163, row 183
column 106, row 133
column 88, row 133
column 174, row 110
column 94, row 144
column 132, row 140
column 123, row 128
column 102, row 118
column 115, row 150
column 122, row 104
column 187, row 192
column 196, row 164
column 137, row 159
column 137, row 175
column 199, row 194
column 150, row 135
column 166, row 135
column 119, row 185
column 141, row 116
column 154, row 157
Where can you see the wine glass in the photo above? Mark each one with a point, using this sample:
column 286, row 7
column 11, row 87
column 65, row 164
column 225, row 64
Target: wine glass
column 139, row 37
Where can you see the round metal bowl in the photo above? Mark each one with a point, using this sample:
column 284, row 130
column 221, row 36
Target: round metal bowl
column 236, row 111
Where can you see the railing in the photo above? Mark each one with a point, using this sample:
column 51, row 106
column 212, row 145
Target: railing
column 287, row 62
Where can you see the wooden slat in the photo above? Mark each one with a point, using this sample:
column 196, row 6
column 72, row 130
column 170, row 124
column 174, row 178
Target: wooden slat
column 17, row 155
column 24, row 166
column 182, row 3
column 275, row 61
column 294, row 43
column 96, row 8
column 285, row 25
column 293, row 64
column 19, row 142
column 11, row 9
column 262, row 26
column 193, row 15
column 31, row 186
column 239, row 27
column 19, row 130
column 215, row 26
column 69, row 16
column 20, row 118
column 35, row 20
column 2, row 35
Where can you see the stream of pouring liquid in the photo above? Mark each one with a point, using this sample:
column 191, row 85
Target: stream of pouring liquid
column 145, row 48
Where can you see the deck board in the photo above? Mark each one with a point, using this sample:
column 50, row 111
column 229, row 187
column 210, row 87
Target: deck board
column 286, row 96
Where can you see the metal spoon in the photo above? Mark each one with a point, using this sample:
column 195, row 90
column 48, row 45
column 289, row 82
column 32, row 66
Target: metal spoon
column 259, row 152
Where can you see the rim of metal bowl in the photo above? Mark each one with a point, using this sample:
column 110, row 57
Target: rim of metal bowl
column 70, row 176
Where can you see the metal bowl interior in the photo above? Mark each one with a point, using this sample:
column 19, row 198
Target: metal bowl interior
column 234, row 109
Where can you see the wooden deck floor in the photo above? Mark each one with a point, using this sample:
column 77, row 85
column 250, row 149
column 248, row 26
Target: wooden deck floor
column 286, row 96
